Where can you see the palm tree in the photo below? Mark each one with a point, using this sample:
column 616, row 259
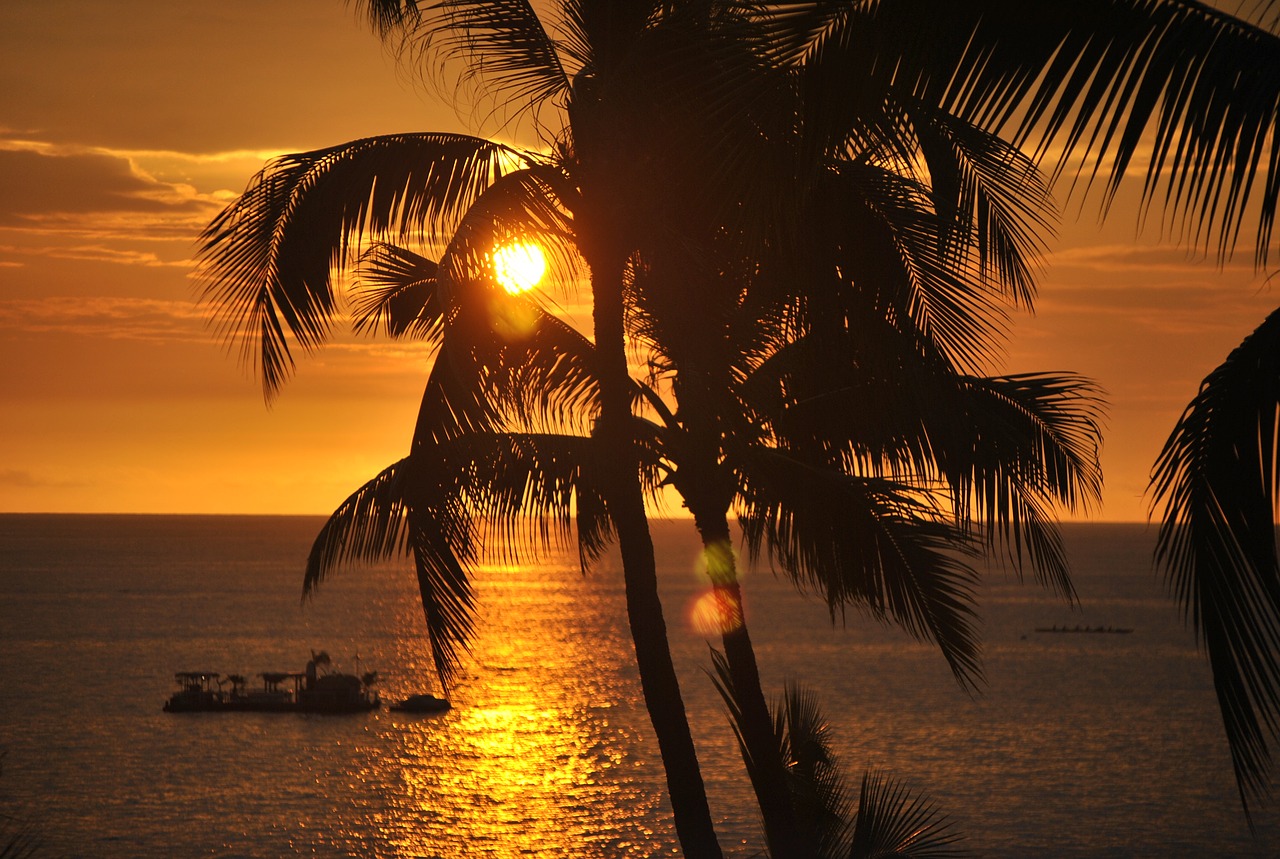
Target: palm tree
column 1092, row 75
column 1217, row 480
column 773, row 377
column 1087, row 86
column 1029, row 435
column 268, row 256
column 1091, row 79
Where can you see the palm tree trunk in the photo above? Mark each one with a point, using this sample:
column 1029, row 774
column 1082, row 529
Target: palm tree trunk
column 625, row 498
column 760, row 742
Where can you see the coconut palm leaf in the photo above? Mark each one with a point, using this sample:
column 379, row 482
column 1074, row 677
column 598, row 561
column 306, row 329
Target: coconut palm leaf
column 989, row 195
column 525, row 204
column 366, row 528
column 402, row 508
column 388, row 15
column 888, row 820
column 903, row 263
column 1087, row 81
column 18, row 838
column 1014, row 447
column 527, row 487
column 266, row 260
column 1218, row 481
column 502, row 42
column 818, row 787
column 802, row 750
column 891, row 821
column 506, row 42
column 397, row 291
column 503, row 348
column 866, row 542
column 1010, row 448
column 991, row 201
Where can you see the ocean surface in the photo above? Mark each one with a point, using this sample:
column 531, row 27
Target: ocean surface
column 1078, row 745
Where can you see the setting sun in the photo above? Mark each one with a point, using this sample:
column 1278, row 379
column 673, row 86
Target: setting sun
column 518, row 266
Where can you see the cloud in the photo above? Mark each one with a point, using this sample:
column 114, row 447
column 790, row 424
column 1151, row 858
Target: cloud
column 99, row 206
column 114, row 318
column 91, row 253
column 160, row 320
column 17, row 477
column 1142, row 257
column 46, row 185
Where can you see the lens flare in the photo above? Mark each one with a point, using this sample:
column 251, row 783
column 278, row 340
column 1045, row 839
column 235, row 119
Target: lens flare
column 518, row 266
column 715, row 612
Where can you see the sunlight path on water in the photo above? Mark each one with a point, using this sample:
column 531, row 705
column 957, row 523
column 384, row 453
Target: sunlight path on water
column 534, row 758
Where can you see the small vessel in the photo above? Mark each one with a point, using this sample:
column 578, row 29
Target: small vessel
column 422, row 703
column 306, row 691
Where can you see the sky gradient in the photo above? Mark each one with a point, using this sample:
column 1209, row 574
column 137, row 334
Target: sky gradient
column 124, row 128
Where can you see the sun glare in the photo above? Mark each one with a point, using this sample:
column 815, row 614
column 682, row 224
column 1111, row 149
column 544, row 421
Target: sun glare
column 519, row 266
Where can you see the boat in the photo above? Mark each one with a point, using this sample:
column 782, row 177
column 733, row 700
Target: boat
column 1115, row 630
column 422, row 703
column 306, row 691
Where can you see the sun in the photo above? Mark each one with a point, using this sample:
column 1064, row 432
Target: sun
column 518, row 266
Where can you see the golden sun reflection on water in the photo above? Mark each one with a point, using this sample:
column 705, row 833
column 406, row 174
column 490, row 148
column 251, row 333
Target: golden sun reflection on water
column 538, row 755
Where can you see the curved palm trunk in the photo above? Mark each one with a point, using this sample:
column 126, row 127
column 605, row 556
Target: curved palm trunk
column 625, row 498
column 759, row 740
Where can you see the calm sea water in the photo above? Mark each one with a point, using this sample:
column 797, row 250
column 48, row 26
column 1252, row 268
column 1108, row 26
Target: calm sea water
column 1079, row 746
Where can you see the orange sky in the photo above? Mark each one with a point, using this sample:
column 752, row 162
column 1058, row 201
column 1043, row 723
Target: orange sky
column 121, row 134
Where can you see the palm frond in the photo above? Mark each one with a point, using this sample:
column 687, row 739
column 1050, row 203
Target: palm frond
column 551, row 378
column 991, row 201
column 266, row 260
column 802, row 749
column 1090, row 81
column 1012, row 448
column 888, row 821
column 893, row 821
column 18, row 839
column 818, row 789
column 397, row 291
column 366, row 528
column 870, row 543
column 440, row 537
column 389, row 15
column 504, row 43
column 898, row 253
column 531, row 490
column 1218, row 480
column 408, row 508
column 504, row 355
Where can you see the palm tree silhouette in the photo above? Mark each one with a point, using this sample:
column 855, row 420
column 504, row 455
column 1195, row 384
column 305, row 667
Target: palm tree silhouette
column 1088, row 79
column 1217, row 479
column 269, row 253
column 1030, row 437
column 1087, row 87
column 839, row 430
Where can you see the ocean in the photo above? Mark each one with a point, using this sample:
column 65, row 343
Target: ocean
column 1077, row 745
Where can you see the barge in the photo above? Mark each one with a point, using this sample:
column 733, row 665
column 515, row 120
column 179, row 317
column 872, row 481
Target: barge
column 306, row 691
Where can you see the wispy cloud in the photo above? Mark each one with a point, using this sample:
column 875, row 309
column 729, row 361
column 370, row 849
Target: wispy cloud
column 1143, row 257
column 91, row 253
column 18, row 478
column 95, row 205
column 114, row 318
column 51, row 187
